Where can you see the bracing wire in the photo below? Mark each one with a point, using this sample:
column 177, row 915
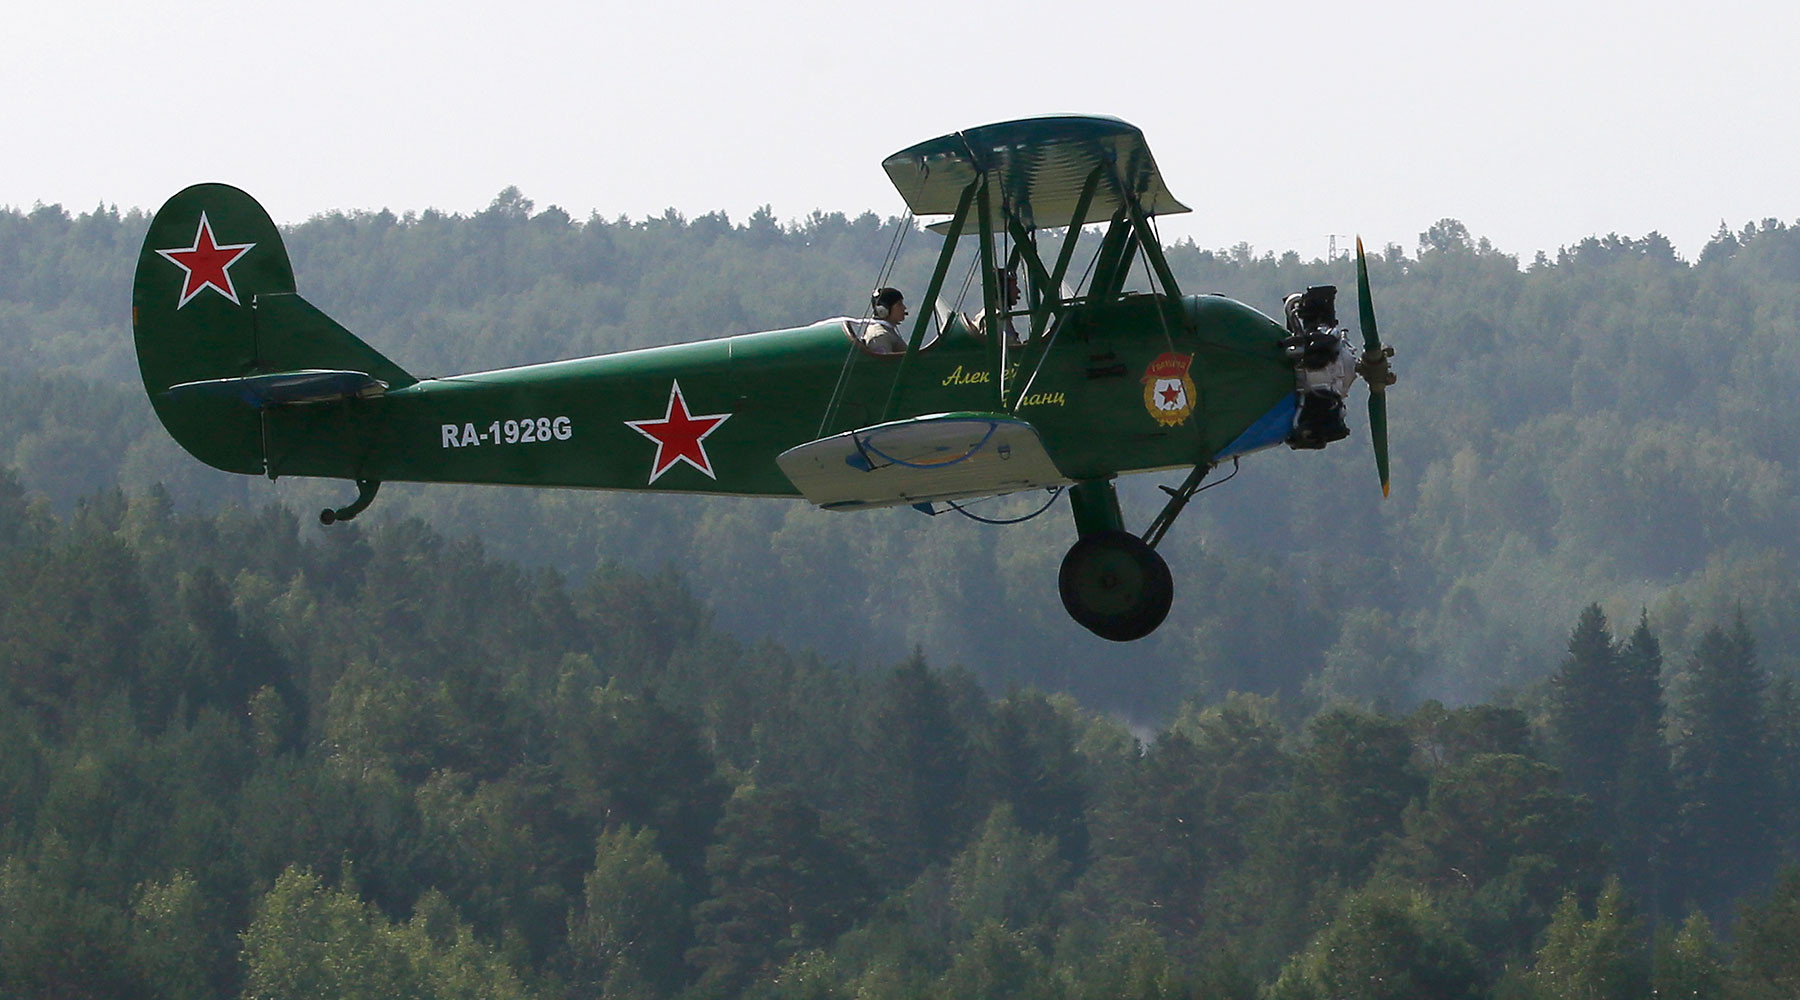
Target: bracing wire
column 892, row 258
column 837, row 391
column 1162, row 315
column 1086, row 272
column 1055, row 491
column 962, row 295
column 1220, row 482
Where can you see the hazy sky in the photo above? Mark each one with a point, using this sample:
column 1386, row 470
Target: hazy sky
column 1535, row 123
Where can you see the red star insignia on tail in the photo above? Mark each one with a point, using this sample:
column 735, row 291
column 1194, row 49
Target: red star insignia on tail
column 207, row 264
column 678, row 435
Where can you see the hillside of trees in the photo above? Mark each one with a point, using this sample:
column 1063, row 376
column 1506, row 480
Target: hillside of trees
column 245, row 758
column 1529, row 729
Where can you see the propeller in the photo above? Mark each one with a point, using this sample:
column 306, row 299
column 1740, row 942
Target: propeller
column 1373, row 367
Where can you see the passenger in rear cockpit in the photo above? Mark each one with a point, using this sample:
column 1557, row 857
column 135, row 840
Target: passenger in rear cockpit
column 1009, row 290
column 882, row 334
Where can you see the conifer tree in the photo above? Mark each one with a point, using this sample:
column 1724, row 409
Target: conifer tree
column 916, row 771
column 1687, row 963
column 1357, row 779
column 1766, row 963
column 1640, row 829
column 1724, row 770
column 1583, row 959
column 1784, row 730
column 1587, row 723
column 1606, row 724
column 1028, row 760
column 783, row 880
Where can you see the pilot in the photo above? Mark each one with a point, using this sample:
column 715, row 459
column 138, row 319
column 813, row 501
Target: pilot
column 882, row 334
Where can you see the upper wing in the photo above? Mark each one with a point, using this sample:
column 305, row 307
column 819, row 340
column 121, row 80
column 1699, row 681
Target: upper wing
column 1041, row 166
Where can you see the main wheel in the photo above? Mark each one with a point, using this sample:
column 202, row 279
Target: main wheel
column 1116, row 586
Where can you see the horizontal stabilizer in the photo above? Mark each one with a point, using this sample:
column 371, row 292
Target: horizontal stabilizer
column 946, row 456
column 260, row 392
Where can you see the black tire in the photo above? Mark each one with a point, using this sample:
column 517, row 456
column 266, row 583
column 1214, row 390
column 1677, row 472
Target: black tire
column 1115, row 586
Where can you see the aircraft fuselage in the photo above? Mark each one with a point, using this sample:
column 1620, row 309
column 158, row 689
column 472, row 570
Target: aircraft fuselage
column 709, row 417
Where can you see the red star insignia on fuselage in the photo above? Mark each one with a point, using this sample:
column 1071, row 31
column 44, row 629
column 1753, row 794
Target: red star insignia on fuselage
column 207, row 264
column 678, row 435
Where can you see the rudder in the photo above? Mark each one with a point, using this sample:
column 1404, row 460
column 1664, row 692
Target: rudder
column 214, row 299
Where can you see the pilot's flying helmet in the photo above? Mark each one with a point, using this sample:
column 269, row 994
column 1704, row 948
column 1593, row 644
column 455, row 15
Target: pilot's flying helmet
column 883, row 300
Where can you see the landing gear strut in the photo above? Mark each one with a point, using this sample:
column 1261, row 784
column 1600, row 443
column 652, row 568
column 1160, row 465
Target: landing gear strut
column 1112, row 582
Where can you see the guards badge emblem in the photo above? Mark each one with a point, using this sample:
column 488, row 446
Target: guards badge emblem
column 1168, row 392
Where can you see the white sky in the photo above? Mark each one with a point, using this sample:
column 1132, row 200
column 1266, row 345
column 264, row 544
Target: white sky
column 1536, row 123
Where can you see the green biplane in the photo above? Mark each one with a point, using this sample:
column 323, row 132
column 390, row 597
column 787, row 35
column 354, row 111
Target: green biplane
column 1076, row 386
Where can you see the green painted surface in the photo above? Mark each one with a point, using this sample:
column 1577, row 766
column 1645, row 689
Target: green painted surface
column 1040, row 165
column 1096, row 507
column 615, row 421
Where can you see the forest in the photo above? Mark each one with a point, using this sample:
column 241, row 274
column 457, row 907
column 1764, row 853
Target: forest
column 1527, row 729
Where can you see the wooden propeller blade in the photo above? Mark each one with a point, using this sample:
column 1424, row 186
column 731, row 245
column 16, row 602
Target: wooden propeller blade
column 1365, row 308
column 1378, row 435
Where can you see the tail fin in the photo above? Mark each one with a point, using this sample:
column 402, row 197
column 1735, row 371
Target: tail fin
column 213, row 308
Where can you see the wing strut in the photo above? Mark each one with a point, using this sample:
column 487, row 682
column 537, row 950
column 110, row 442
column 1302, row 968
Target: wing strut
column 1115, row 247
column 1152, row 248
column 1068, row 249
column 990, row 294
